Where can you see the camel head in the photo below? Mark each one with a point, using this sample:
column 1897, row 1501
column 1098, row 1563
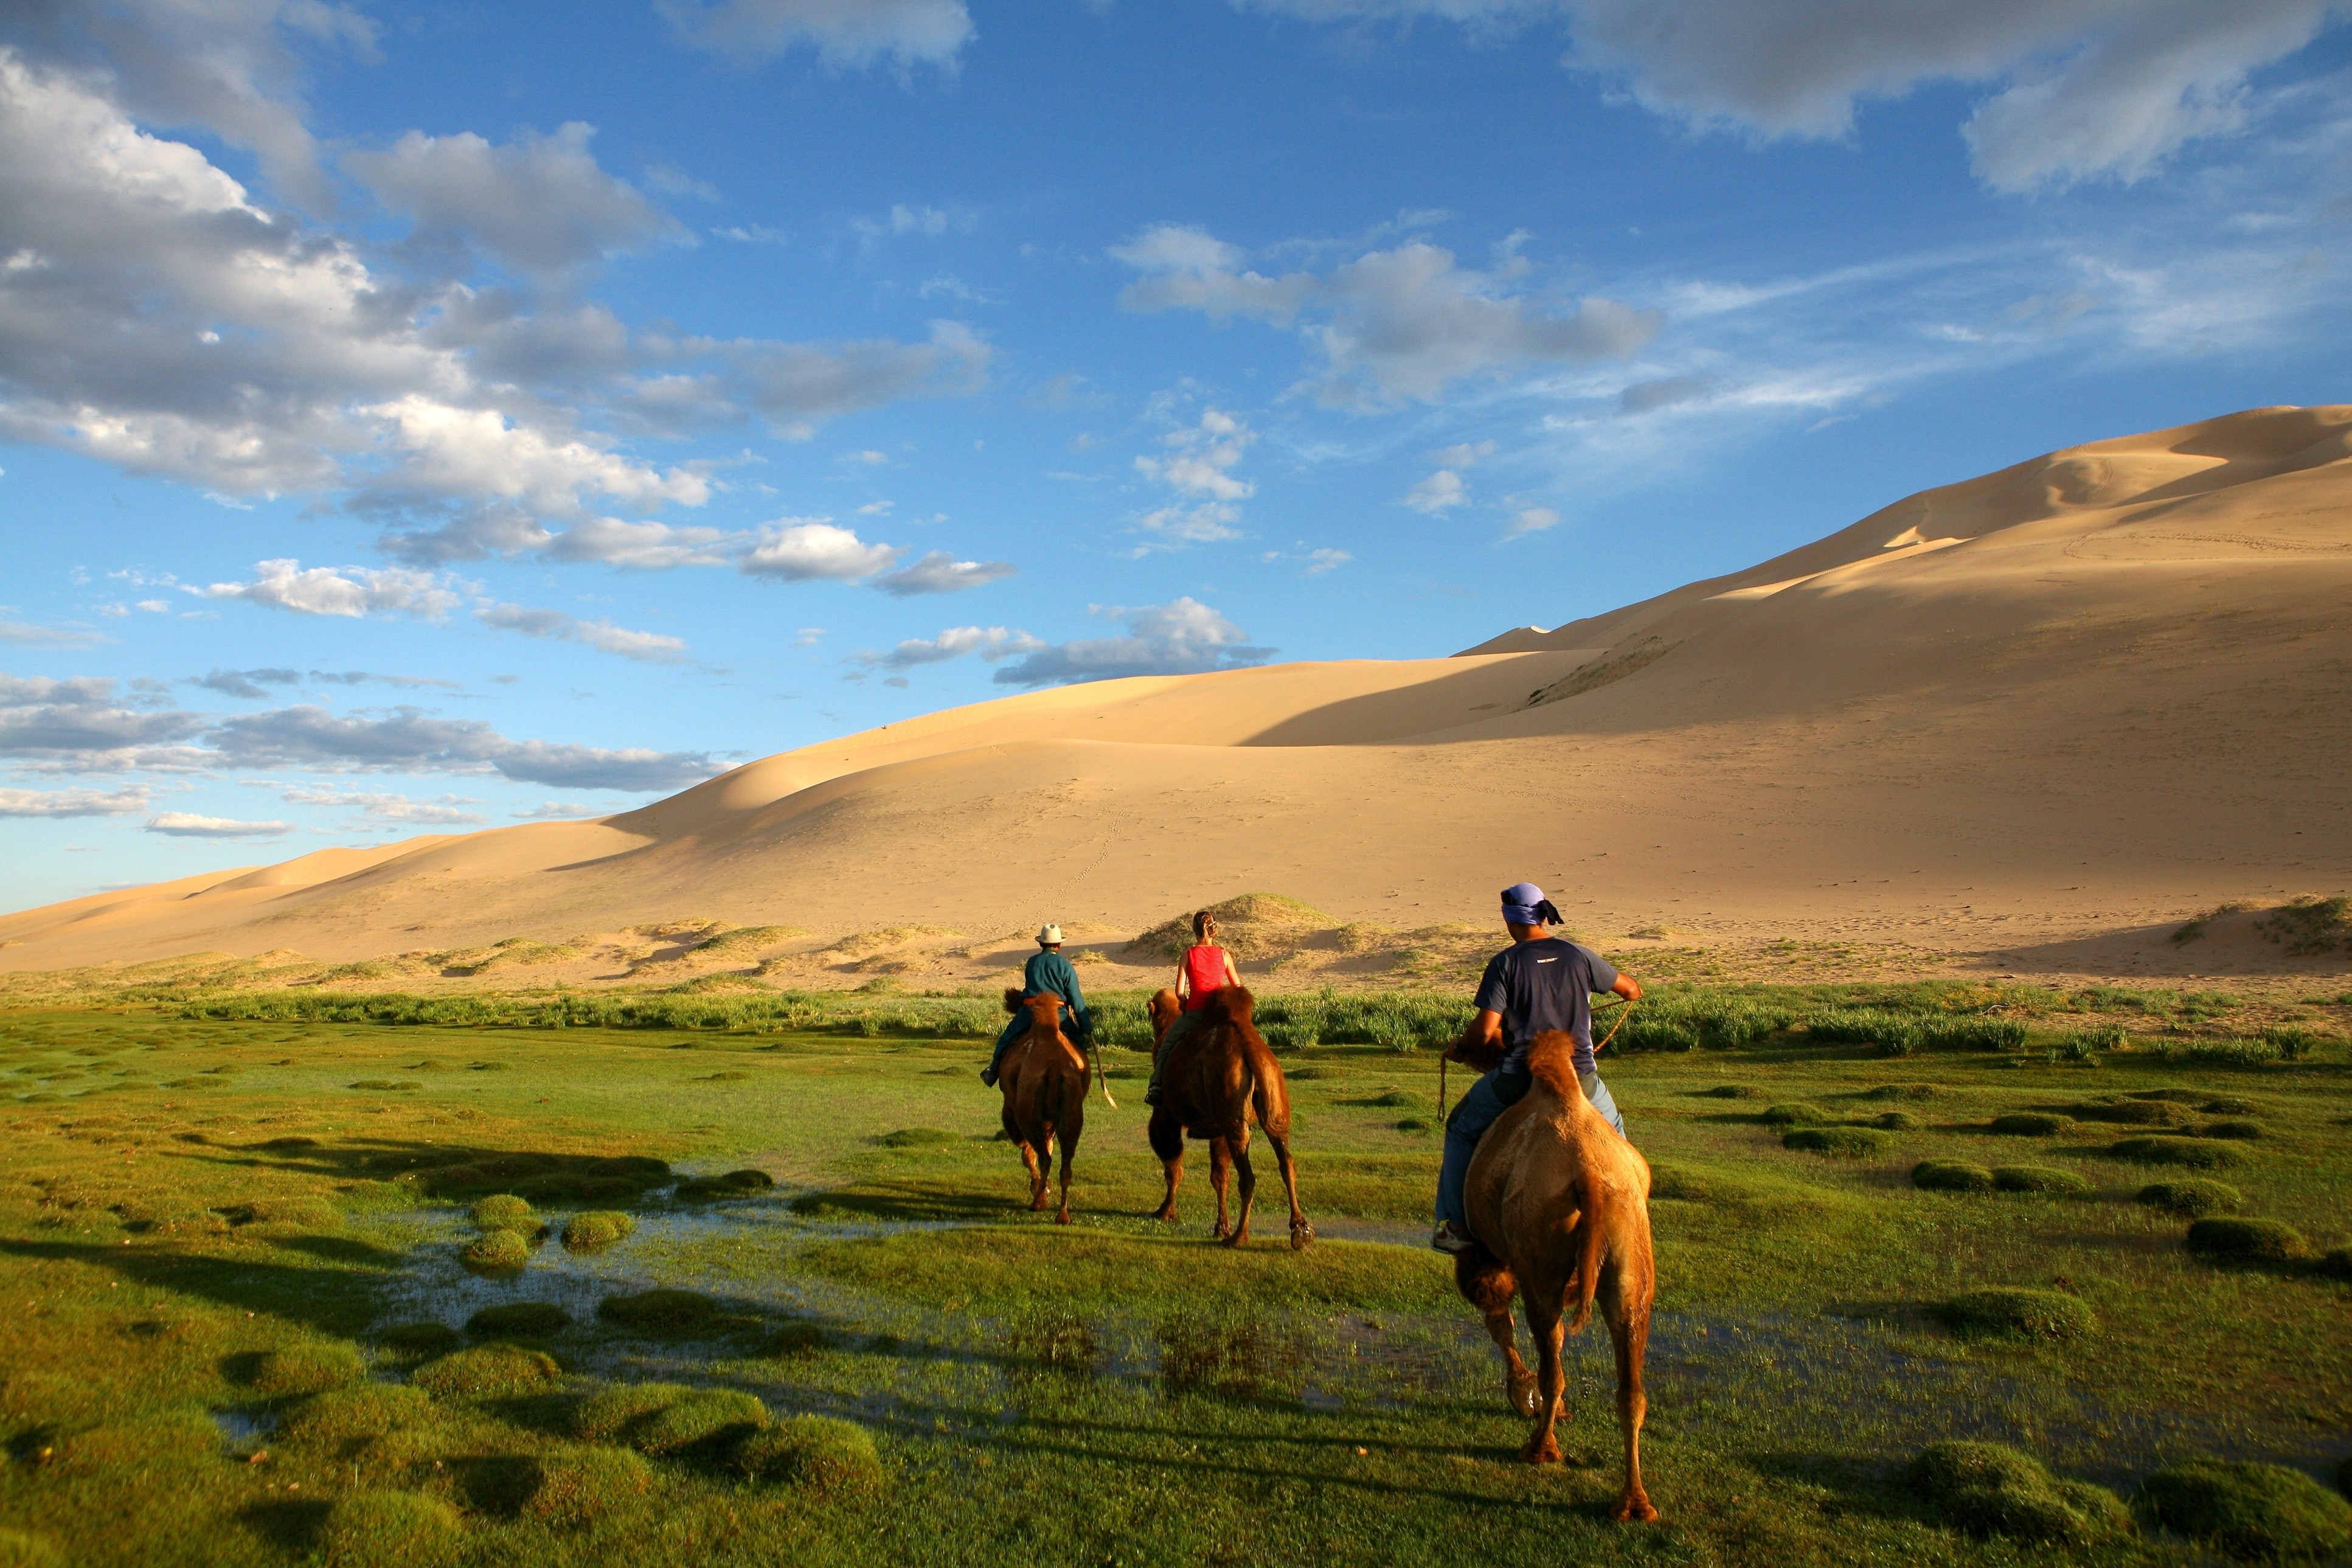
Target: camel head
column 1044, row 1015
column 1166, row 1008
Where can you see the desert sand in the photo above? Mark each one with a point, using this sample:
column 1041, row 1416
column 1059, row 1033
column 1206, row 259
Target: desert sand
column 2025, row 723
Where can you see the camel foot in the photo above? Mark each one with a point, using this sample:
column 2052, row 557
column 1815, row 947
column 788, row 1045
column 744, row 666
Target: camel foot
column 1519, row 1392
column 1062, row 1218
column 1167, row 1212
column 1302, row 1236
column 1540, row 1451
column 1220, row 1231
column 1039, row 1207
column 1636, row 1510
column 1239, row 1237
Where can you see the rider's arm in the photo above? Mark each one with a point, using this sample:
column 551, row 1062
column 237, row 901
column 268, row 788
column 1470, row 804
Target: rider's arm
column 1232, row 975
column 1628, row 987
column 1183, row 980
column 1480, row 1044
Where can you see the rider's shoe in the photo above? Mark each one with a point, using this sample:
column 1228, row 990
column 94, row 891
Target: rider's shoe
column 988, row 1076
column 1451, row 1239
column 1150, row 1097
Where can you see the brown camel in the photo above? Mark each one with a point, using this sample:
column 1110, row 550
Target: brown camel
column 1560, row 1202
column 1218, row 1080
column 1044, row 1083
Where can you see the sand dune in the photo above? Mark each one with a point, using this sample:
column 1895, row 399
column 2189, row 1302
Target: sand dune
column 2055, row 706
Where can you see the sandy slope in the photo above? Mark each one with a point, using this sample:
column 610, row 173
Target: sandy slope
column 2037, row 715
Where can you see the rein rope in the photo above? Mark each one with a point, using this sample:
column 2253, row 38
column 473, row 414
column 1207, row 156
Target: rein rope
column 1624, row 1010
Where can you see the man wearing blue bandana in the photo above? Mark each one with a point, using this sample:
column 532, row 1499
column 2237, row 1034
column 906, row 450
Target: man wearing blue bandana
column 1537, row 984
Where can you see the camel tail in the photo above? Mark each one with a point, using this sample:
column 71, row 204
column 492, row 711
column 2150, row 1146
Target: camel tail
column 1013, row 1000
column 1590, row 1227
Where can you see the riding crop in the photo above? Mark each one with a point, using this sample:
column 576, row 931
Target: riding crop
column 1102, row 1081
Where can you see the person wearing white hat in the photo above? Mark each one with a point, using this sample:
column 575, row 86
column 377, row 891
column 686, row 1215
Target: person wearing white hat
column 1049, row 973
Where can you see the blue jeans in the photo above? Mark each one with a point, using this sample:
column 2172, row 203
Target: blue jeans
column 1488, row 1098
column 1015, row 1027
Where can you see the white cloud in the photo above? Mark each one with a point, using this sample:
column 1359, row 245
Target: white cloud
column 558, row 811
column 19, row 634
column 539, row 203
column 1464, row 454
column 1647, row 397
column 188, row 825
column 1393, row 324
column 2079, row 88
column 928, row 222
column 82, row 724
column 347, row 591
column 410, row 741
column 447, row 812
column 1207, row 523
column 1434, row 494
column 1201, row 458
column 1532, row 520
column 800, row 551
column 647, row 647
column 941, row 573
column 1185, row 636
column 846, row 34
column 71, row 802
column 1321, row 561
column 991, row 643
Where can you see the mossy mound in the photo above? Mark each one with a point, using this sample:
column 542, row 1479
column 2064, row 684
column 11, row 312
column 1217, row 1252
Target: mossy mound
column 2192, row 1198
column 668, row 1417
column 1836, row 1142
column 581, row 1486
column 422, row 1339
column 2256, row 1514
column 519, row 1320
column 1675, row 1184
column 664, row 1312
column 305, row 1369
column 310, row 1213
column 2045, row 1179
column 504, row 1210
column 496, row 1252
column 2241, row 1132
column 1794, row 1114
column 793, row 1340
column 2008, row 1312
column 596, row 1229
column 1991, row 1489
column 488, row 1371
column 918, row 1138
column 1255, row 925
column 1894, row 1121
column 2226, row 1106
column 2030, row 1124
column 2133, row 1113
column 2194, row 1153
column 733, row 1185
column 390, row 1529
column 1906, row 1091
column 343, row 1416
column 2248, row 1241
column 1723, row 1091
column 23, row 1549
column 1394, row 1100
column 817, row 1452
column 1952, row 1176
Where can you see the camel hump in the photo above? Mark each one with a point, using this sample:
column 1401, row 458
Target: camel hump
column 1552, row 1060
column 1232, row 1003
column 1013, row 1000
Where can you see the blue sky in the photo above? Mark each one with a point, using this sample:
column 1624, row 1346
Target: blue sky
column 418, row 417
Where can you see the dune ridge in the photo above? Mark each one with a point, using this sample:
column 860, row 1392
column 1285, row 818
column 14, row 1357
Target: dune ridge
column 2070, row 702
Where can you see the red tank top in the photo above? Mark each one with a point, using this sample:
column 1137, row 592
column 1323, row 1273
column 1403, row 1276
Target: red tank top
column 1204, row 966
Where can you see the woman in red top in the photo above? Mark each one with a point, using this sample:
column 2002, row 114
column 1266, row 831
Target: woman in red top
column 1206, row 970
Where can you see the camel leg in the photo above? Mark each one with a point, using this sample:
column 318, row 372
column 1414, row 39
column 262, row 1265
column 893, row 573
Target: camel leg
column 1301, row 1233
column 1239, row 1142
column 1489, row 1286
column 1542, row 1447
column 1167, row 1141
column 1629, row 1333
column 1041, row 1169
column 1069, row 1147
column 1028, row 1164
column 1220, row 1165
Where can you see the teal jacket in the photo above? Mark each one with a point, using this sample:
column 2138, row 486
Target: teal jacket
column 1051, row 974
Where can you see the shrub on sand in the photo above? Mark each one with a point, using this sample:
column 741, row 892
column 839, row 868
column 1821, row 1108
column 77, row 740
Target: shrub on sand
column 596, row 1229
column 2248, row 1241
column 488, row 1371
column 818, row 1452
column 1794, row 1114
column 2028, row 1124
column 305, row 1369
column 580, row 1486
column 390, row 1529
column 2007, row 1313
column 504, row 1210
column 2192, row 1198
column 1952, row 1176
column 2194, row 1153
column 2256, row 1514
column 1991, row 1489
column 519, row 1320
column 1837, row 1142
column 422, row 1339
column 2046, row 1179
column 496, row 1252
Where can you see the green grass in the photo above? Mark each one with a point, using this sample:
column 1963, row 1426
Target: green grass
column 884, row 1358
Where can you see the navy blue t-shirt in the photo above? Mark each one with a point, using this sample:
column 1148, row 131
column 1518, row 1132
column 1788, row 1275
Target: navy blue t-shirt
column 1542, row 985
